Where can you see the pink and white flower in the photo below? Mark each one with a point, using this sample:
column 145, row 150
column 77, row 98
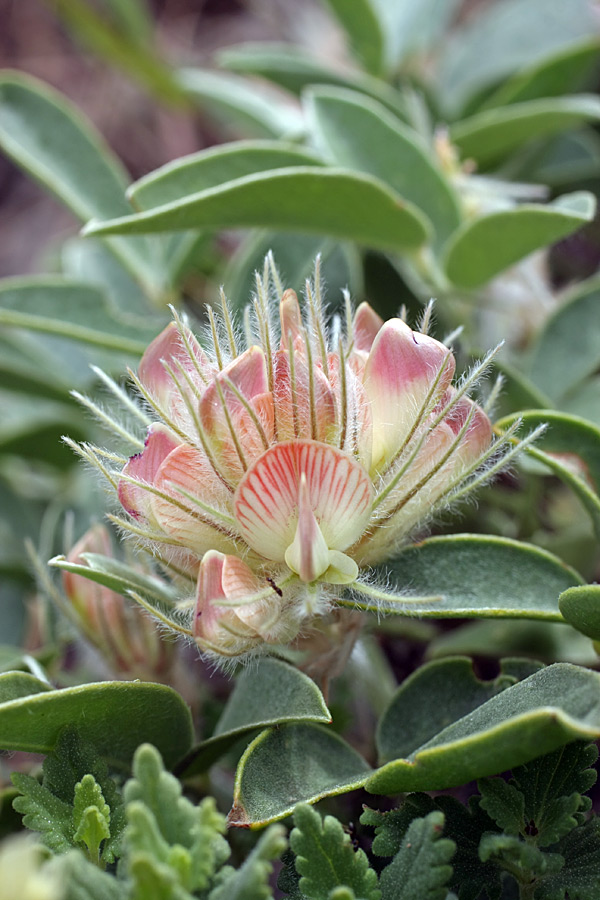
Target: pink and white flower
column 278, row 470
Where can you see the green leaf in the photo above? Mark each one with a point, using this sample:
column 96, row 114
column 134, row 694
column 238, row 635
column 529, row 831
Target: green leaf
column 554, row 367
column 391, row 826
column 334, row 202
column 484, row 247
column 91, row 816
column 78, row 311
column 581, row 608
column 562, row 73
column 477, row 575
column 211, row 168
column 270, row 693
column 251, row 880
column 489, row 136
column 293, row 68
column 361, row 22
column 289, row 765
column 81, row 880
column 422, row 866
column 113, row 716
column 20, row 684
column 504, row 803
column 245, row 109
column 44, row 813
column 357, row 133
column 50, row 139
column 118, row 576
column 524, row 860
column 570, row 448
column 326, row 859
column 578, row 879
column 556, row 705
column 505, row 38
column 412, row 28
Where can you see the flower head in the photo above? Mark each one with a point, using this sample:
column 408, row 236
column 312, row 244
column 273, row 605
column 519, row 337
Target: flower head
column 278, row 469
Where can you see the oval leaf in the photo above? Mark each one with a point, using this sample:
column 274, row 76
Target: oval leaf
column 554, row 366
column 114, row 716
column 483, row 248
column 571, row 449
column 480, row 576
column 272, row 693
column 361, row 22
column 334, row 202
column 357, row 133
column 14, row 685
column 581, row 608
column 289, row 765
column 491, row 135
column 553, row 706
column 213, row 167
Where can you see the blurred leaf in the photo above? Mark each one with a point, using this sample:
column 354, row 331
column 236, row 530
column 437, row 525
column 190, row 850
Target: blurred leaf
column 326, row 859
column 489, row 136
column 271, row 693
column 570, row 448
column 213, row 167
column 294, row 256
column 565, row 72
column 82, row 879
column 581, row 608
column 50, row 139
column 251, row 880
column 412, row 28
column 118, row 576
column 484, row 247
column 244, row 108
column 537, row 715
column 503, row 38
column 571, row 158
column 335, row 202
column 113, row 716
column 555, row 364
column 32, row 428
column 289, row 765
column 122, row 40
column 293, row 68
column 478, row 576
column 20, row 684
column 421, row 868
column 79, row 311
column 361, row 22
column 355, row 133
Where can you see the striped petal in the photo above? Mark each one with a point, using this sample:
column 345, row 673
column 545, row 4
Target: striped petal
column 221, row 578
column 305, row 402
column 266, row 502
column 404, row 372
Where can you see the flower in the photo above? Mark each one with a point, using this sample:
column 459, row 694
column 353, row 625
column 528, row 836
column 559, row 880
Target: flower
column 278, row 470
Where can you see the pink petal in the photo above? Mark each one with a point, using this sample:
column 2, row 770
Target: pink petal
column 365, row 326
column 188, row 470
column 160, row 441
column 248, row 373
column 291, row 318
column 222, row 578
column 308, row 554
column 399, row 374
column 478, row 436
column 293, row 402
column 267, row 499
column 169, row 346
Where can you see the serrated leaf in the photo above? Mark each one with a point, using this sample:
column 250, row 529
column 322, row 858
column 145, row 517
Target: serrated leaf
column 115, row 717
column 50, row 139
column 338, row 203
column 581, row 608
column 251, row 880
column 91, row 816
column 479, row 576
column 570, row 449
column 518, row 856
column 484, row 247
column 391, row 826
column 44, row 813
column 493, row 134
column 504, row 803
column 289, row 765
column 421, row 868
column 326, row 859
column 270, row 693
column 543, row 712
column 243, row 108
column 355, row 132
column 579, row 877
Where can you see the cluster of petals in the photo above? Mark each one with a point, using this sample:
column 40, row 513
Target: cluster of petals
column 275, row 475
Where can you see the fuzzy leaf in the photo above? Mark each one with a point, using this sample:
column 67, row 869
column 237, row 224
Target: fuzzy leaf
column 421, row 867
column 390, row 827
column 518, row 856
column 82, row 880
column 581, row 608
column 45, row 813
column 579, row 878
column 251, row 880
column 91, row 816
column 326, row 859
column 503, row 802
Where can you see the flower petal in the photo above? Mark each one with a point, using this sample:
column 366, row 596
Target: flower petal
column 303, row 411
column 365, row 327
column 401, row 370
column 160, row 441
column 170, row 347
column 291, row 318
column 223, row 577
column 266, row 502
column 308, row 554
